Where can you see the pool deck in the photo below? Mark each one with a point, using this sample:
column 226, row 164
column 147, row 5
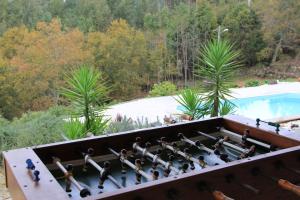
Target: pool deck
column 157, row 107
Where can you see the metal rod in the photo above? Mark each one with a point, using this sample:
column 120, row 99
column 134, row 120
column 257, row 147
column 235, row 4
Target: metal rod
column 247, row 139
column 83, row 191
column 155, row 158
column 240, row 149
column 197, row 144
column 184, row 155
column 131, row 165
column 101, row 170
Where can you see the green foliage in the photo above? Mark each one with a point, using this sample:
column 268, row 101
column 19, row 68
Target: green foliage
column 192, row 103
column 218, row 65
column 73, row 129
column 252, row 83
column 244, row 26
column 33, row 128
column 165, row 88
column 86, row 91
column 126, row 124
column 227, row 108
column 134, row 43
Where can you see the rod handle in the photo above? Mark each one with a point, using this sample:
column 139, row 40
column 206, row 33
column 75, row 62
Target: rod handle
column 218, row 195
column 284, row 184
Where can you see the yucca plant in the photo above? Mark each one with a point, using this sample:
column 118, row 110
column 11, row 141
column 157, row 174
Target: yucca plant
column 219, row 62
column 73, row 129
column 227, row 107
column 192, row 103
column 87, row 93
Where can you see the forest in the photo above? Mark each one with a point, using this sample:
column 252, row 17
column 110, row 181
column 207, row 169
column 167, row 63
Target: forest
column 134, row 44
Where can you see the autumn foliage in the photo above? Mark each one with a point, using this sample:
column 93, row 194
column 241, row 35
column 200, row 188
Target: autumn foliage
column 34, row 62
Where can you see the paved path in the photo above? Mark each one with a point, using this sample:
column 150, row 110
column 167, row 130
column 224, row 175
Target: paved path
column 158, row 107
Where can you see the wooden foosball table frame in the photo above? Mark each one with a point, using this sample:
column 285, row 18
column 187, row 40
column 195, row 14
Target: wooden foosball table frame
column 193, row 185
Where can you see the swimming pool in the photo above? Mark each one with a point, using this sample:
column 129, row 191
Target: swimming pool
column 267, row 107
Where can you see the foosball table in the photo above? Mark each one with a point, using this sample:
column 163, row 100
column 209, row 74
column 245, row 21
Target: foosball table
column 220, row 158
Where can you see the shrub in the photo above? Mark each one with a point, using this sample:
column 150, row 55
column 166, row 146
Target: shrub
column 192, row 103
column 252, row 83
column 165, row 88
column 127, row 124
column 33, row 128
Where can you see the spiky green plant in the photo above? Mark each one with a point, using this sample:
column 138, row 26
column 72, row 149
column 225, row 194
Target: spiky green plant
column 226, row 108
column 192, row 104
column 87, row 92
column 219, row 62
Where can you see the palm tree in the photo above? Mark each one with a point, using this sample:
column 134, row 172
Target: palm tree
column 219, row 62
column 86, row 92
column 192, row 104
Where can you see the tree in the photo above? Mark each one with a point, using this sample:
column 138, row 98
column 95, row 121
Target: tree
column 86, row 91
column 218, row 63
column 38, row 59
column 281, row 27
column 87, row 15
column 122, row 54
column 245, row 30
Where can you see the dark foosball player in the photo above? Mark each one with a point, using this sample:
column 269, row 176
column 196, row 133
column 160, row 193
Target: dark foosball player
column 104, row 174
column 104, row 171
column 175, row 150
column 200, row 146
column 245, row 140
column 154, row 158
column 136, row 166
column 248, row 153
column 68, row 174
column 68, row 182
column 223, row 141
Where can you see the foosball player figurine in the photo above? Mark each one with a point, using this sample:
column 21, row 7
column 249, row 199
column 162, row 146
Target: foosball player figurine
column 184, row 167
column 186, row 151
column 68, row 182
column 201, row 161
column 155, row 174
column 138, row 165
column 250, row 152
column 244, row 142
column 138, row 141
column 176, row 148
column 103, row 174
column 87, row 155
column 123, row 170
column 220, row 142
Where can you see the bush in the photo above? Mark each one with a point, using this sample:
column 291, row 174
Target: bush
column 126, row 124
column 252, row 83
column 33, row 128
column 165, row 88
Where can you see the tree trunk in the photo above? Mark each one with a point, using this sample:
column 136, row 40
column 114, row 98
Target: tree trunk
column 278, row 47
column 216, row 107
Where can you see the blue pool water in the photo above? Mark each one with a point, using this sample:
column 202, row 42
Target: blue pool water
column 267, row 107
